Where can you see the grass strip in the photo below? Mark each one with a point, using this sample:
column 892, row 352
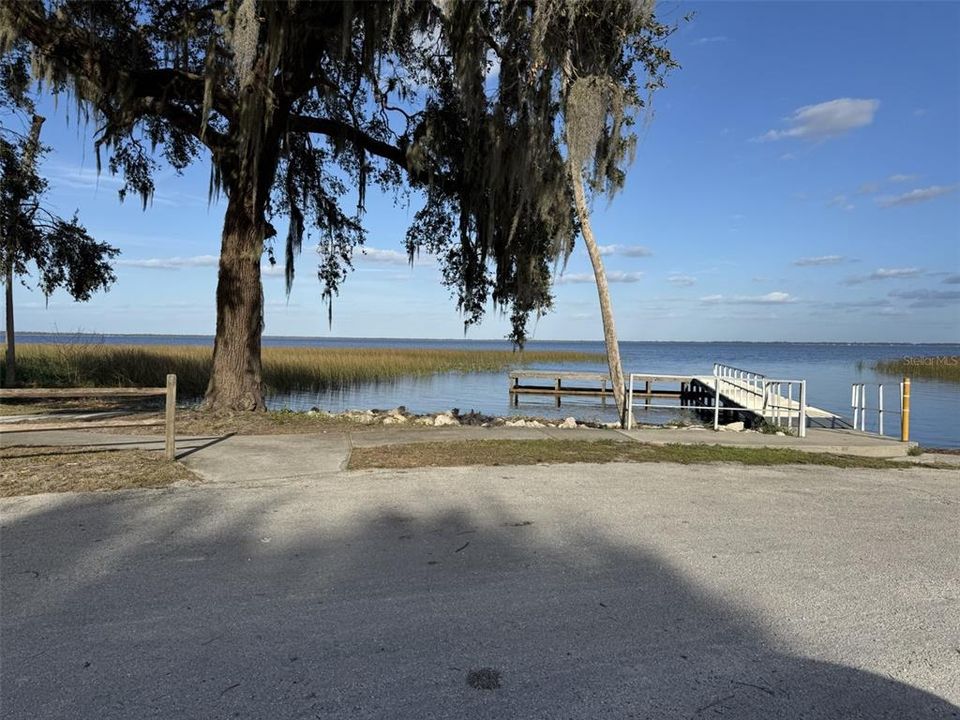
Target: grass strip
column 285, row 369
column 33, row 470
column 532, row 452
column 939, row 367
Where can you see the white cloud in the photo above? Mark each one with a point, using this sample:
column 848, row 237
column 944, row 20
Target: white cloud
column 390, row 257
column 681, row 280
column 172, row 263
column 625, row 250
column 710, row 40
column 916, row 196
column 886, row 274
column 613, row 276
column 771, row 298
column 826, row 120
column 840, row 201
column 900, row 178
column 925, row 298
column 273, row 270
column 952, row 280
column 819, row 261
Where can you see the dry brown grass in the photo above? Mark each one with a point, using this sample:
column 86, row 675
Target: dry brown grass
column 33, row 470
column 285, row 369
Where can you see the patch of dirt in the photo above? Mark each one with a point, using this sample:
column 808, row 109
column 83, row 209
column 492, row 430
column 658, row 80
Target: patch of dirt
column 34, row 470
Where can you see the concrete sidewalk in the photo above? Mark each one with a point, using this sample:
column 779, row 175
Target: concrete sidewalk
column 241, row 458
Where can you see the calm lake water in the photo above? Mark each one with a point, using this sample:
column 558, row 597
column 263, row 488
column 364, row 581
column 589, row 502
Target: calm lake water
column 828, row 368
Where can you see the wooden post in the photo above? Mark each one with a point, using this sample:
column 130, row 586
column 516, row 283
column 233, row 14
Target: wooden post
column 170, row 412
column 905, row 412
column 557, row 389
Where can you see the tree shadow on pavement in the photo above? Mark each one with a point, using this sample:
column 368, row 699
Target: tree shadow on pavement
column 298, row 601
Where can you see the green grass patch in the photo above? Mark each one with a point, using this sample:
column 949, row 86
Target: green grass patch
column 939, row 367
column 288, row 369
column 532, row 452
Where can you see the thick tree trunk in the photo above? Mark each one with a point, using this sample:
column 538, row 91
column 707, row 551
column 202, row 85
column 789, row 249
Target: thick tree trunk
column 10, row 378
column 603, row 290
column 236, row 374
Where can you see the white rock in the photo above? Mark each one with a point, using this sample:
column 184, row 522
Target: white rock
column 424, row 421
column 733, row 427
column 781, row 434
column 441, row 420
column 515, row 423
column 534, row 423
column 569, row 422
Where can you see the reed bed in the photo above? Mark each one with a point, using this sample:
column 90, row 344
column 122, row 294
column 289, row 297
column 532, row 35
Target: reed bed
column 287, row 369
column 936, row 367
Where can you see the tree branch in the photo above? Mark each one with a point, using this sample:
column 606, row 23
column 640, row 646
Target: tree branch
column 336, row 128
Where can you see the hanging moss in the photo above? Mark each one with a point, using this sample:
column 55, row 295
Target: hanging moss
column 304, row 104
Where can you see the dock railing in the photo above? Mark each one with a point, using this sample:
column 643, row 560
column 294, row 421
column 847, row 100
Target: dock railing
column 780, row 408
column 860, row 408
column 778, row 402
column 744, row 382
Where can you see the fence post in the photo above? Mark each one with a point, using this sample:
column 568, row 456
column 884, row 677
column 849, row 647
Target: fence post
column 170, row 412
column 802, row 429
column 905, row 412
column 880, row 410
column 716, row 403
column 630, row 404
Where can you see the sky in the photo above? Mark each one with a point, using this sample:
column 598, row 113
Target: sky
column 797, row 180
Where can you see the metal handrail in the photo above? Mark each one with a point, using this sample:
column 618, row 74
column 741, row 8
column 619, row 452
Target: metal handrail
column 759, row 386
column 651, row 377
column 858, row 404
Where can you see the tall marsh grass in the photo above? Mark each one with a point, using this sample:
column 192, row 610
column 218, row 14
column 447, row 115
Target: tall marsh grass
column 937, row 367
column 284, row 369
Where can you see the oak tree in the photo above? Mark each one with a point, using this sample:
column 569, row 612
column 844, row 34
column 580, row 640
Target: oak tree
column 301, row 106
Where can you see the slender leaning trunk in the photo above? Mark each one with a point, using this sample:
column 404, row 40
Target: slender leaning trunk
column 10, row 378
column 235, row 378
column 603, row 290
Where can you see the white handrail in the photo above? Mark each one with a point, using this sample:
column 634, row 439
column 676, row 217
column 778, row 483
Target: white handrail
column 860, row 408
column 775, row 396
column 650, row 377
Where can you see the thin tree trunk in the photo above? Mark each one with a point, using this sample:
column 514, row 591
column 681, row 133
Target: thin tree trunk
column 29, row 158
column 603, row 291
column 235, row 379
column 10, row 378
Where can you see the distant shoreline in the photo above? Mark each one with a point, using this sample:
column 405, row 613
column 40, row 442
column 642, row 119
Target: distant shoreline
column 314, row 338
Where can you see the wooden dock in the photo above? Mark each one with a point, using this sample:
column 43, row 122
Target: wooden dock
column 572, row 384
column 729, row 394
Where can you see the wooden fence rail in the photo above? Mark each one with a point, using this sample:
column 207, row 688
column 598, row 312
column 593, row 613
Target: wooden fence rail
column 169, row 414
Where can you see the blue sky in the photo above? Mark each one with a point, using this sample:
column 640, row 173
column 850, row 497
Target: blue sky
column 799, row 180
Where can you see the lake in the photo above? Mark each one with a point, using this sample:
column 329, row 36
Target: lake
column 828, row 368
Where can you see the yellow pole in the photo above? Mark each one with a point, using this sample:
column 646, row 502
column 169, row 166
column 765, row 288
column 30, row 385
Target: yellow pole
column 905, row 412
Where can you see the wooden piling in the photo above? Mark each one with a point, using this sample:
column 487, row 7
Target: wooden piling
column 170, row 414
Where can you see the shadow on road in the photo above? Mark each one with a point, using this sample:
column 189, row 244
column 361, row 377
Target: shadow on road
column 211, row 604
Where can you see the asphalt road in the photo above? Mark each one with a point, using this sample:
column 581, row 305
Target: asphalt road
column 618, row 591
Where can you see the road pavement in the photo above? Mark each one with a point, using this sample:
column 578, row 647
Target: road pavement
column 579, row 591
